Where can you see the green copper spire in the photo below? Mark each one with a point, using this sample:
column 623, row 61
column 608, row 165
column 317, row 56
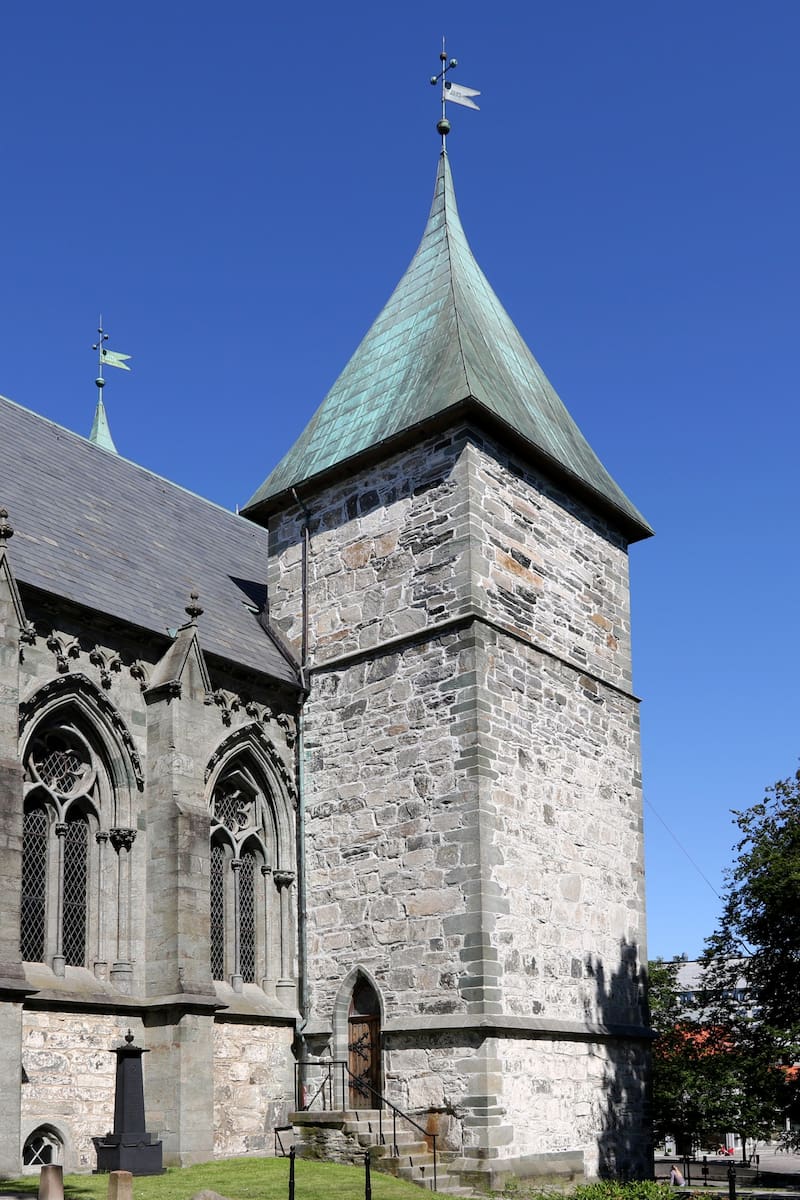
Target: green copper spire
column 444, row 346
column 101, row 434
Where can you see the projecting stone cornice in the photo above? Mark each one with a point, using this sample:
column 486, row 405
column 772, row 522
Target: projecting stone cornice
column 529, row 1027
column 451, row 625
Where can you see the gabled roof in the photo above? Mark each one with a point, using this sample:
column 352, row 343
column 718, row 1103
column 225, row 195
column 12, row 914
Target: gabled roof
column 95, row 529
column 444, row 341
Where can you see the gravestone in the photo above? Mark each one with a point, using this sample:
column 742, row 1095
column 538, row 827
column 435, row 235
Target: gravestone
column 130, row 1147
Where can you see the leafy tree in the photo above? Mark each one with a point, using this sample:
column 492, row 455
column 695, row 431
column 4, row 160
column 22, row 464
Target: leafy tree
column 712, row 1071
column 685, row 1091
column 758, row 936
column 757, row 942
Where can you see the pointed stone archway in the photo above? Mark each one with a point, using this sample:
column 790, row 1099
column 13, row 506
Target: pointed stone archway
column 364, row 1045
column 357, row 1024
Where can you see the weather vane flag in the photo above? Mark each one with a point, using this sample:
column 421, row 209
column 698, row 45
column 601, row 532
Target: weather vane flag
column 101, row 434
column 454, row 92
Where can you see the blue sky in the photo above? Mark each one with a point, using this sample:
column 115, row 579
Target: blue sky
column 238, row 190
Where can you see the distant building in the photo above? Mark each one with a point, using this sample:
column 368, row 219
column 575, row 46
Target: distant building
column 690, row 983
column 373, row 796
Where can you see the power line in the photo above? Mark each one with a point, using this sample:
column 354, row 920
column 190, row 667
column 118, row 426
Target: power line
column 682, row 848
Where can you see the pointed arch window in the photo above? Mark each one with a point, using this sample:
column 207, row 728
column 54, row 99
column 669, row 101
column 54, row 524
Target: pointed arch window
column 66, row 790
column 243, row 906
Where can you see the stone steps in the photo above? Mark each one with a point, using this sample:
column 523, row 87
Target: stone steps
column 410, row 1158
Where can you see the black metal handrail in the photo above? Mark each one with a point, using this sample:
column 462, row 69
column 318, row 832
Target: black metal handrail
column 326, row 1091
column 280, row 1149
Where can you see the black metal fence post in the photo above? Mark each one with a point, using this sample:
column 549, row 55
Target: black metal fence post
column 291, row 1174
column 731, row 1182
column 705, row 1170
column 367, row 1178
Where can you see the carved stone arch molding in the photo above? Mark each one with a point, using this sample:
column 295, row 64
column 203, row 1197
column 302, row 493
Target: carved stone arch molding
column 78, row 693
column 250, row 742
column 344, row 994
column 357, row 1039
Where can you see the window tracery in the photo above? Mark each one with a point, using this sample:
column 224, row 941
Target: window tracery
column 243, row 903
column 69, row 794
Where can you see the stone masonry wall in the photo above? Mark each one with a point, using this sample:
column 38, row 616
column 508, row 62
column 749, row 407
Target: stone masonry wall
column 68, row 1080
column 589, row 1096
column 253, row 1086
column 389, row 553
column 472, row 781
column 555, row 1095
column 564, row 807
column 388, row 826
column 463, row 785
column 546, row 568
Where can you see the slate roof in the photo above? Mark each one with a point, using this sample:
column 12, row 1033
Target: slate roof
column 444, row 339
column 98, row 530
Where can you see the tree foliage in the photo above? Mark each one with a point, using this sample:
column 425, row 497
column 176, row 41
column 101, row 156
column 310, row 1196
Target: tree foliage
column 713, row 1073
column 757, row 944
column 758, row 936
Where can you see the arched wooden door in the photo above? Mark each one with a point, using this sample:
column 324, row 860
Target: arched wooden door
column 364, row 1046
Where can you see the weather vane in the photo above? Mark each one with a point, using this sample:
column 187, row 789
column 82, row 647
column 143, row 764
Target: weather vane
column 453, row 92
column 101, row 434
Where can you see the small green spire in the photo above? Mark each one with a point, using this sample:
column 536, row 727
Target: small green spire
column 101, row 434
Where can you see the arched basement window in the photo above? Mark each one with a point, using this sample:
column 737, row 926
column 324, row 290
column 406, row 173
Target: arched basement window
column 42, row 1147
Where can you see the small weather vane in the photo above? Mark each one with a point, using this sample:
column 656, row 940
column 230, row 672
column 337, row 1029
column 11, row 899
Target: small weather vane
column 453, row 92
column 101, row 434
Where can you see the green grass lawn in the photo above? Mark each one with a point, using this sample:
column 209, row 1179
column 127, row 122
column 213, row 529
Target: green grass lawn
column 237, row 1179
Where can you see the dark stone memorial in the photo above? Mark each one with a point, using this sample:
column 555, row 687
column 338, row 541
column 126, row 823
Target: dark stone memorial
column 130, row 1147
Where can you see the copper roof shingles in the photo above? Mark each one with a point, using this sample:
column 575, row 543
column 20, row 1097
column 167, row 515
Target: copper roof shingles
column 102, row 532
column 443, row 338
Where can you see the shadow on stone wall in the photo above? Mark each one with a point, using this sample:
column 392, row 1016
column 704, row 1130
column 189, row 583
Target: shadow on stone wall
column 625, row 1146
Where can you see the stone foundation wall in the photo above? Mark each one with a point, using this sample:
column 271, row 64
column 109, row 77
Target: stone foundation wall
column 253, row 1086
column 586, row 1096
column 553, row 1097
column 68, row 1078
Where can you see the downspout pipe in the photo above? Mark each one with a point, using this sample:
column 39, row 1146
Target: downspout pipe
column 302, row 917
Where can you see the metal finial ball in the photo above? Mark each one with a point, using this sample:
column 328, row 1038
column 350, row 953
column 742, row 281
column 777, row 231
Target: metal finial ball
column 434, row 80
column 193, row 609
column 453, row 62
column 443, row 56
column 443, row 127
column 129, row 1037
column 101, row 383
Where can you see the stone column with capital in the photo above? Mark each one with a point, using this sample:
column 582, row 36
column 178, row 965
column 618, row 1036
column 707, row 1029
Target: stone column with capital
column 100, row 958
column 58, row 961
column 122, row 969
column 269, row 959
column 286, row 987
column 236, row 977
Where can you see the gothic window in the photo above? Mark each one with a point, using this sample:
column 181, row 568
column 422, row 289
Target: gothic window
column 241, row 884
column 65, row 781
column 34, row 883
column 41, row 1147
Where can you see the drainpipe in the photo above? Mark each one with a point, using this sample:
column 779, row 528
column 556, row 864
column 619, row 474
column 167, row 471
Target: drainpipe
column 302, row 938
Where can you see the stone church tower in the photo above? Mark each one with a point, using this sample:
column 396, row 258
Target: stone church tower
column 448, row 559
